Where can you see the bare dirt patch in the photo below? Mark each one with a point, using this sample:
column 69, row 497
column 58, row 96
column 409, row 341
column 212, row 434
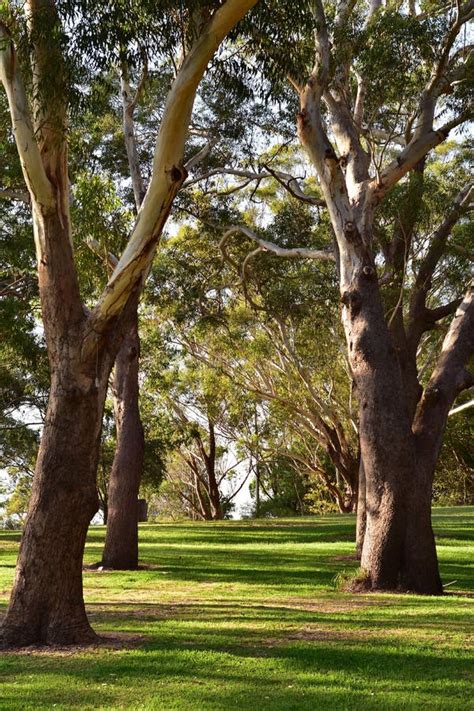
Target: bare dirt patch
column 99, row 568
column 321, row 634
column 116, row 641
column 332, row 607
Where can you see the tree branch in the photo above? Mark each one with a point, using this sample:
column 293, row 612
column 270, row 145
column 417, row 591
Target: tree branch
column 49, row 97
column 14, row 195
column 289, row 182
column 196, row 159
column 417, row 149
column 168, row 173
column 460, row 408
column 37, row 182
column 440, row 312
column 449, row 378
column 433, row 89
column 418, row 315
column 287, row 253
column 128, row 108
column 109, row 258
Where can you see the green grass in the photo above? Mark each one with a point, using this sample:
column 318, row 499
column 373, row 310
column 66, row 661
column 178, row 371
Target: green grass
column 244, row 615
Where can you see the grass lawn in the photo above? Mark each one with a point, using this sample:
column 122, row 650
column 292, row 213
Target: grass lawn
column 244, row 615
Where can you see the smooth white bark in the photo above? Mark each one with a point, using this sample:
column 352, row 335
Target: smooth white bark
column 40, row 189
column 168, row 173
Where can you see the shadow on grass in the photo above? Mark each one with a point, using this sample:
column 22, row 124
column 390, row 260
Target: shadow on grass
column 253, row 571
column 238, row 668
column 289, row 569
column 357, row 614
column 229, row 535
column 289, row 647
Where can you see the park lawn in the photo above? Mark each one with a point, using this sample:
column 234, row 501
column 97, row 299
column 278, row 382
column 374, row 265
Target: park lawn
column 244, row 615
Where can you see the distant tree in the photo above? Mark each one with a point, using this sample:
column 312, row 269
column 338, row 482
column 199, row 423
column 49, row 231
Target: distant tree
column 266, row 333
column 454, row 478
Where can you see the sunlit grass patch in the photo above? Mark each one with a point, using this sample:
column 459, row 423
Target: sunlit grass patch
column 245, row 615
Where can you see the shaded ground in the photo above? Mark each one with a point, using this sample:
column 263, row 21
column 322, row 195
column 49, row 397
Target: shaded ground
column 243, row 615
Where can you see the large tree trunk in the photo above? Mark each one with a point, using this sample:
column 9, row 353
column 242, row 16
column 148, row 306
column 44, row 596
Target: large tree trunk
column 121, row 543
column 397, row 497
column 420, row 570
column 46, row 604
column 400, row 434
column 399, row 549
column 386, row 443
column 417, row 567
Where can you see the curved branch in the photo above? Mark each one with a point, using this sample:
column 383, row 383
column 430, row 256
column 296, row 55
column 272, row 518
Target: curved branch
column 287, row 181
column 168, row 173
column 449, row 378
column 266, row 246
column 14, row 195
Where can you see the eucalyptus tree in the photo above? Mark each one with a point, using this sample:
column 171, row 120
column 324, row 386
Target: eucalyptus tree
column 270, row 331
column 202, row 467
column 294, row 357
column 121, row 542
column 121, row 545
column 46, row 604
column 379, row 88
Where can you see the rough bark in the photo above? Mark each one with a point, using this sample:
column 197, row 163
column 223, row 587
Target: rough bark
column 399, row 453
column 386, row 442
column 361, row 512
column 121, row 542
column 47, row 603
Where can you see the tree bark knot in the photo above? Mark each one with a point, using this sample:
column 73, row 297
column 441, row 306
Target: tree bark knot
column 432, row 395
column 330, row 157
column 302, row 118
column 178, row 174
column 369, row 272
column 353, row 301
column 351, row 233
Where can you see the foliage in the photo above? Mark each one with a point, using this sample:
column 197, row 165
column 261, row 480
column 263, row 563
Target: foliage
column 395, row 52
column 454, row 478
